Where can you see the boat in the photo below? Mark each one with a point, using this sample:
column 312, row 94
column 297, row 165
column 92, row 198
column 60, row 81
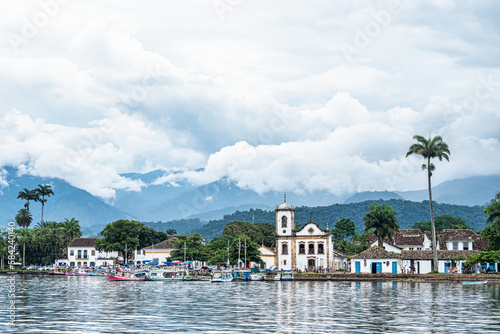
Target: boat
column 77, row 272
column 168, row 275
column 256, row 275
column 221, row 277
column 285, row 275
column 58, row 271
column 128, row 276
column 475, row 282
column 241, row 274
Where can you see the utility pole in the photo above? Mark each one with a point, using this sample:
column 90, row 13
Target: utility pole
column 245, row 254
column 239, row 252
column 125, row 253
column 185, row 251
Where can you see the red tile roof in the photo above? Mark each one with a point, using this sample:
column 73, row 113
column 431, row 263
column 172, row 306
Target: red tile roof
column 83, row 242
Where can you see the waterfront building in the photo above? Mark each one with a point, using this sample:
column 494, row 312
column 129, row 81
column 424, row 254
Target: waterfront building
column 268, row 256
column 376, row 260
column 308, row 248
column 157, row 253
column 82, row 253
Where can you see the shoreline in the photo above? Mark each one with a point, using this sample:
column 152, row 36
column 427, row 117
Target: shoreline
column 351, row 277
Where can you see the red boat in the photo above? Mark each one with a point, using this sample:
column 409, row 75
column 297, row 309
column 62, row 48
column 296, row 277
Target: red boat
column 128, row 276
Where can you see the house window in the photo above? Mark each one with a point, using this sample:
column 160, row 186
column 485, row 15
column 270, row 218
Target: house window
column 92, row 264
column 71, row 264
column 302, row 249
column 72, row 252
column 85, row 264
column 466, row 245
column 455, row 245
column 311, row 248
column 284, row 262
column 284, row 222
column 79, row 264
column 284, row 249
column 85, row 254
column 79, row 254
column 321, row 249
column 93, row 252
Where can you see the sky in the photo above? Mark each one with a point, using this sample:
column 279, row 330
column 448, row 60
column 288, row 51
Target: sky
column 281, row 95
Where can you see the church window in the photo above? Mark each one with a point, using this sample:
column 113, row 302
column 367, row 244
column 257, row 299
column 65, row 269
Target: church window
column 321, row 249
column 311, row 248
column 284, row 249
column 302, row 249
column 284, row 222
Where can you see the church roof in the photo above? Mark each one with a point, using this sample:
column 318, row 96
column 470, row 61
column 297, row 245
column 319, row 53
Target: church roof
column 284, row 206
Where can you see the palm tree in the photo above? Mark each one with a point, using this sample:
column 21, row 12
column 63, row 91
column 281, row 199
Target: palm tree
column 28, row 195
column 428, row 149
column 44, row 190
column 383, row 219
column 71, row 229
column 23, row 218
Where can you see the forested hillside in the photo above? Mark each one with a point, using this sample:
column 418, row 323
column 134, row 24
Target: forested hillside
column 408, row 213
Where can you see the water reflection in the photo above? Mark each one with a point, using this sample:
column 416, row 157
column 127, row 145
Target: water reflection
column 94, row 305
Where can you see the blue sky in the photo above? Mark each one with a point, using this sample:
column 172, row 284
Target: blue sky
column 279, row 96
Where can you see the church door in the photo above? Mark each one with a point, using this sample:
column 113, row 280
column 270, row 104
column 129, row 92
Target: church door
column 311, row 264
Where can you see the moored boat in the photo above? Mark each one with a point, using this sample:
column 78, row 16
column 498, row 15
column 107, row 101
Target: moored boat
column 128, row 276
column 256, row 275
column 221, row 277
column 168, row 275
column 77, row 272
column 241, row 274
column 285, row 275
column 58, row 271
column 475, row 282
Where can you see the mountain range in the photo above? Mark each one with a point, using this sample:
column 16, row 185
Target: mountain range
column 166, row 202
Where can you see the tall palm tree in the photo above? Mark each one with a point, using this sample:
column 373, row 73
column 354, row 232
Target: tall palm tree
column 28, row 195
column 383, row 219
column 428, row 149
column 23, row 218
column 71, row 229
column 44, row 190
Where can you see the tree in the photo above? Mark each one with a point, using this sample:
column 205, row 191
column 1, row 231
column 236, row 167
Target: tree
column 443, row 222
column 217, row 250
column 383, row 219
column 260, row 233
column 43, row 190
column 28, row 195
column 71, row 229
column 492, row 236
column 343, row 229
column 23, row 218
column 122, row 236
column 189, row 247
column 493, row 212
column 428, row 149
column 171, row 231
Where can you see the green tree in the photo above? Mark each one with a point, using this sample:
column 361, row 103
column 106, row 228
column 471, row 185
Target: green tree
column 43, row 190
column 493, row 212
column 383, row 219
column 443, row 222
column 171, row 231
column 491, row 235
column 189, row 247
column 429, row 149
column 343, row 229
column 123, row 236
column 260, row 233
column 23, row 218
column 217, row 250
column 28, row 195
column 71, row 229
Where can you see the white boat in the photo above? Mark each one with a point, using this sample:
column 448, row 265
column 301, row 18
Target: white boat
column 168, row 275
column 285, row 275
column 221, row 277
column 475, row 282
column 256, row 275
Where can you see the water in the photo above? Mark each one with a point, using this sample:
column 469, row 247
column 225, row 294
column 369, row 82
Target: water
column 48, row 304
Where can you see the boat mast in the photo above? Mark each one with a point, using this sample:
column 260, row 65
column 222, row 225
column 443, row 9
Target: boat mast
column 239, row 252
column 245, row 265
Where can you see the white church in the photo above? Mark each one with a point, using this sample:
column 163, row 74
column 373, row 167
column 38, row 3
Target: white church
column 309, row 248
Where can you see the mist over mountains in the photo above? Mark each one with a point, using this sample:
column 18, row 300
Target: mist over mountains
column 175, row 202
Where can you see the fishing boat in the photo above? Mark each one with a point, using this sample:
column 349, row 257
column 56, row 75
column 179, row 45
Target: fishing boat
column 256, row 275
column 475, row 282
column 128, row 276
column 168, row 275
column 285, row 275
column 221, row 277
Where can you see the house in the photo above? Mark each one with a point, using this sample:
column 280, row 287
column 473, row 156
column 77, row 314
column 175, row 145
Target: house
column 308, row 248
column 416, row 251
column 82, row 253
column 268, row 256
column 376, row 260
column 156, row 253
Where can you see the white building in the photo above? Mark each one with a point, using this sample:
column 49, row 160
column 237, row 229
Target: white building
column 376, row 260
column 268, row 256
column 157, row 253
column 82, row 253
column 309, row 248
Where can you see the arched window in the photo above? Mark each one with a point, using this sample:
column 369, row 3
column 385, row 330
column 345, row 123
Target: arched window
column 302, row 248
column 321, row 249
column 71, row 264
column 85, row 254
column 72, row 252
column 311, row 248
column 284, row 222
column 85, row 263
column 79, row 264
column 92, row 264
column 284, row 249
column 79, row 254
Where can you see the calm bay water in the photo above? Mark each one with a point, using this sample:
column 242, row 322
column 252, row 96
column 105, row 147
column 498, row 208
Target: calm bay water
column 47, row 304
